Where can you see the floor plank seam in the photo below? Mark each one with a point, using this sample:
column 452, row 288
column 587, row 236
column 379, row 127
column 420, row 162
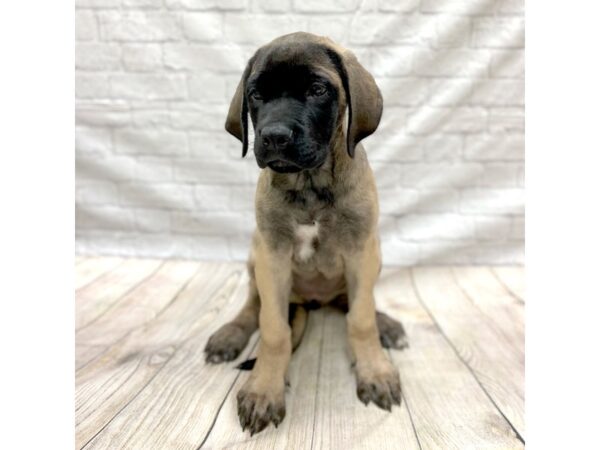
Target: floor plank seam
column 492, row 325
column 192, row 336
column 312, row 439
column 162, row 310
column 177, row 348
column 438, row 326
column 114, row 391
column 132, row 398
column 509, row 290
column 412, row 423
column 131, row 415
column 212, row 425
column 121, row 297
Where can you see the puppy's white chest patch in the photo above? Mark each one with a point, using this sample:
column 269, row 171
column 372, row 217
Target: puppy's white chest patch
column 307, row 238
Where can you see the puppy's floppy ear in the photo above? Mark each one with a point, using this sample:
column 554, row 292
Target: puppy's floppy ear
column 237, row 117
column 365, row 103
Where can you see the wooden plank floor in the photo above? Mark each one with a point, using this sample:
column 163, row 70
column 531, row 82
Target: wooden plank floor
column 142, row 383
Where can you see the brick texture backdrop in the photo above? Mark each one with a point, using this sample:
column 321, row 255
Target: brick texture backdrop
column 157, row 175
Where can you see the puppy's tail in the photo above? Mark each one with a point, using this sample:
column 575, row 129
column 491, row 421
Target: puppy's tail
column 298, row 317
column 246, row 365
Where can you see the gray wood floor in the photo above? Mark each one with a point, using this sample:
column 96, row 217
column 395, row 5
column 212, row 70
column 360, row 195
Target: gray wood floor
column 142, row 383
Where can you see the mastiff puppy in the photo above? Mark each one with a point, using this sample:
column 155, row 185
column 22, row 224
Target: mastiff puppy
column 316, row 240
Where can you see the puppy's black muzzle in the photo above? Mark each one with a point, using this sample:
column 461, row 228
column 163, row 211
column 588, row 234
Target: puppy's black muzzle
column 276, row 137
column 276, row 149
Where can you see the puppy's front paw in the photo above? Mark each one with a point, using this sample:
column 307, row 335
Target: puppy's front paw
column 379, row 384
column 226, row 343
column 256, row 408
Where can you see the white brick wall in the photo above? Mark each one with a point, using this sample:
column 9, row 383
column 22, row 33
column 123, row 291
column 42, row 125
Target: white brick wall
column 157, row 175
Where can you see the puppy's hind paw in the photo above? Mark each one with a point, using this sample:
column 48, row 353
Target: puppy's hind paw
column 226, row 344
column 391, row 332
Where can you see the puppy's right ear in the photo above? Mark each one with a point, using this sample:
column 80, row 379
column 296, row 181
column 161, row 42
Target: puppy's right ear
column 237, row 117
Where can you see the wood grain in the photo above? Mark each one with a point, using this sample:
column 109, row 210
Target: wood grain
column 97, row 298
column 479, row 342
column 141, row 305
column 143, row 382
column 341, row 420
column 88, row 269
column 153, row 386
column 513, row 278
column 448, row 407
column 296, row 430
column 505, row 312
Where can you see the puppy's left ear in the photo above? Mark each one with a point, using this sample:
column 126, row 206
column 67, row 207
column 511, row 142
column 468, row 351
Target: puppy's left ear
column 237, row 117
column 365, row 103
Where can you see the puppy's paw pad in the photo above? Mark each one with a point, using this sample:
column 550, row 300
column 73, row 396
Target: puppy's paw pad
column 226, row 344
column 256, row 411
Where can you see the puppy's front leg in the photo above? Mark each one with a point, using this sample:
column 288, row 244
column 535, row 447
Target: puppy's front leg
column 377, row 380
column 262, row 398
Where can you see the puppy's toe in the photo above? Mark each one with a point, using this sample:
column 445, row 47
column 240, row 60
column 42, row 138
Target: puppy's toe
column 391, row 332
column 226, row 343
column 256, row 411
column 383, row 389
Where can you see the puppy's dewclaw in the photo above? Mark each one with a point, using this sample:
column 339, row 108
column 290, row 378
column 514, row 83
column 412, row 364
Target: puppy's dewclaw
column 316, row 212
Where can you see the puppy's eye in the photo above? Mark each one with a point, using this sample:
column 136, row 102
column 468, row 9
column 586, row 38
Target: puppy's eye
column 254, row 95
column 317, row 89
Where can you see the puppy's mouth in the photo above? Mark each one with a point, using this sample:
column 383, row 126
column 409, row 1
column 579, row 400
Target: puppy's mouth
column 284, row 166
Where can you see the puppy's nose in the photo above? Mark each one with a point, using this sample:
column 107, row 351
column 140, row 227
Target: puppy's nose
column 276, row 137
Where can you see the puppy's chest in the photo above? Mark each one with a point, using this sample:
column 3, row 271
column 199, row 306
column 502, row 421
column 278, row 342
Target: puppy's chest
column 306, row 241
column 315, row 243
column 315, row 224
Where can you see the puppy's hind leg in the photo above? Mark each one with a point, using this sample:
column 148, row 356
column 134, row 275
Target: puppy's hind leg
column 228, row 341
